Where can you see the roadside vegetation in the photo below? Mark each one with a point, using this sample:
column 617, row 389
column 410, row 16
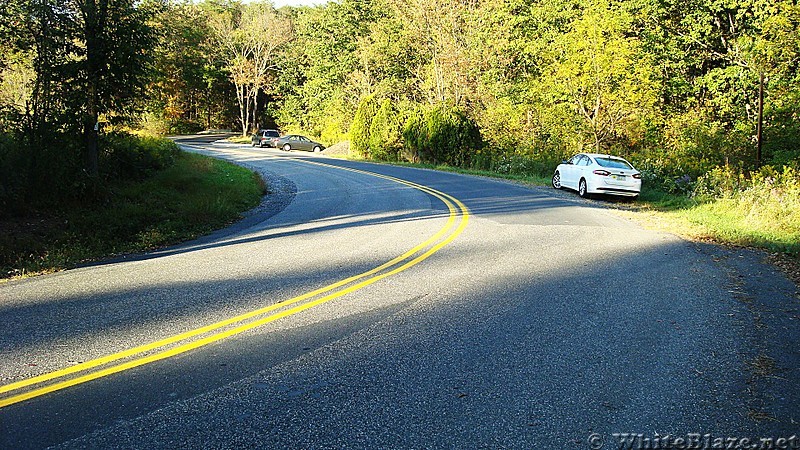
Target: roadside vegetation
column 762, row 210
column 701, row 96
column 170, row 196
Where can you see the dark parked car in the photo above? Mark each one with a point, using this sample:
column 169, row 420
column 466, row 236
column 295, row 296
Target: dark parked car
column 265, row 138
column 297, row 142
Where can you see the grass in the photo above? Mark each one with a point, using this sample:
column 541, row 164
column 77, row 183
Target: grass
column 758, row 220
column 238, row 139
column 193, row 197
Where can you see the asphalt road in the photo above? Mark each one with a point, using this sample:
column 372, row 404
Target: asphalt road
column 457, row 312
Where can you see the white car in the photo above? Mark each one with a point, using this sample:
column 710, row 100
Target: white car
column 592, row 173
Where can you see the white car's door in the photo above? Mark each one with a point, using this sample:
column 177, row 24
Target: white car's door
column 569, row 175
column 582, row 169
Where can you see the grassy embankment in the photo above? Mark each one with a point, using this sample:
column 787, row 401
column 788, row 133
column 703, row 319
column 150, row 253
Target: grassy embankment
column 761, row 212
column 192, row 197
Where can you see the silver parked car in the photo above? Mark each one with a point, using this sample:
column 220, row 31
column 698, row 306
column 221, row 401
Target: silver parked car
column 297, row 142
column 593, row 173
column 265, row 138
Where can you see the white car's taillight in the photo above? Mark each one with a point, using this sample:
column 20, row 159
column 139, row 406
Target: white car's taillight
column 602, row 173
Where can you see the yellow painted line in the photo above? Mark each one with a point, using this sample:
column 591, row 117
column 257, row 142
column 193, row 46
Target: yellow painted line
column 445, row 198
column 215, row 326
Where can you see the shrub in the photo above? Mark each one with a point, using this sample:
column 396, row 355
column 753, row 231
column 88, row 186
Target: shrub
column 727, row 182
column 664, row 175
column 129, row 157
column 412, row 135
column 12, row 180
column 48, row 172
column 530, row 165
column 782, row 136
column 719, row 182
column 360, row 128
column 442, row 134
column 384, row 135
column 759, row 208
column 185, row 126
column 37, row 171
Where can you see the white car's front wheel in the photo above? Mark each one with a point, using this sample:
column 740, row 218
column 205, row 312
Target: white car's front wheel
column 287, row 147
column 557, row 180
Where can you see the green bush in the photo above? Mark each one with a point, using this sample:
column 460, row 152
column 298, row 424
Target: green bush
column 125, row 156
column 720, row 182
column 662, row 175
column 384, row 135
column 360, row 128
column 442, row 135
column 185, row 126
column 46, row 173
column 412, row 135
column 782, row 136
column 37, row 171
column 759, row 208
column 767, row 182
column 12, row 180
column 528, row 165
column 193, row 196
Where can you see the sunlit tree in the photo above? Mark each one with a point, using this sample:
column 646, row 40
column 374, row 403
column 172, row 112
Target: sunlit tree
column 250, row 37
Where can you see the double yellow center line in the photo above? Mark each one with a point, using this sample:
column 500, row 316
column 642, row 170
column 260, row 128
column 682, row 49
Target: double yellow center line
column 190, row 340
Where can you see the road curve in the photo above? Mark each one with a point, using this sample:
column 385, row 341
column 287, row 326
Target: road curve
column 532, row 321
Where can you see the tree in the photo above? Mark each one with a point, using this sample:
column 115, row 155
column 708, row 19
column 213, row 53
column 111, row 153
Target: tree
column 385, row 133
column 601, row 72
column 189, row 90
column 250, row 38
column 730, row 52
column 441, row 134
column 440, row 31
column 113, row 65
column 322, row 77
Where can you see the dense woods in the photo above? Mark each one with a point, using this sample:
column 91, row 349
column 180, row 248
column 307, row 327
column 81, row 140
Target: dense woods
column 679, row 86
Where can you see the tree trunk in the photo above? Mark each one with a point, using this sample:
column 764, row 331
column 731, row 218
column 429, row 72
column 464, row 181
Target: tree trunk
column 255, row 109
column 90, row 135
column 242, row 98
column 94, row 13
column 760, row 124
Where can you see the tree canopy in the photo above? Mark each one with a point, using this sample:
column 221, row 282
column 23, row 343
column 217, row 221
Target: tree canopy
column 680, row 86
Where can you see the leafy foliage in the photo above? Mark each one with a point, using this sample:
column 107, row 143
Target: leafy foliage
column 385, row 139
column 441, row 135
column 362, row 123
column 190, row 197
column 509, row 86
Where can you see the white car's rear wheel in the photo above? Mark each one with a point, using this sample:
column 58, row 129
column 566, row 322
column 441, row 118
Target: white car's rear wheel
column 583, row 191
